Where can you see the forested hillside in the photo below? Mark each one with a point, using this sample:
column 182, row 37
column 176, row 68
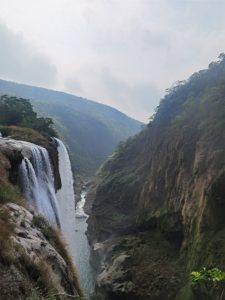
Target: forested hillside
column 159, row 208
column 91, row 130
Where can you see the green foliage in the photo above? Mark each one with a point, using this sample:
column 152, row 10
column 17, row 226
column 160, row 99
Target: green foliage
column 91, row 130
column 55, row 239
column 208, row 283
column 6, row 230
column 185, row 96
column 51, row 235
column 207, row 275
column 9, row 193
column 19, row 112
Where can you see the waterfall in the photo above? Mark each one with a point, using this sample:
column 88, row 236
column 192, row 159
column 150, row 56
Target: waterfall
column 65, row 195
column 37, row 184
column 74, row 225
column 80, row 206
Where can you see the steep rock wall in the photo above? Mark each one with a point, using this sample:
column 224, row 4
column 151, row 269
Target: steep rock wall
column 158, row 212
column 32, row 266
column 34, row 260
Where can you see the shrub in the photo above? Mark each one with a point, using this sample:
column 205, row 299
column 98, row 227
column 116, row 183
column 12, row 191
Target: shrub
column 6, row 230
column 208, row 283
column 9, row 193
column 55, row 239
column 19, row 112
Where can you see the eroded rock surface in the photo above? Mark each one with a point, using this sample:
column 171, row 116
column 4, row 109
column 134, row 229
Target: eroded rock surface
column 33, row 263
column 159, row 200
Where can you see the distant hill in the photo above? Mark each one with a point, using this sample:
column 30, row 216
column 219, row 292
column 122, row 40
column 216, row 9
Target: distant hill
column 91, row 130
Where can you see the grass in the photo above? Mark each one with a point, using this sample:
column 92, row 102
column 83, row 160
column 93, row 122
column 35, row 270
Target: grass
column 55, row 239
column 40, row 273
column 9, row 193
column 25, row 134
column 37, row 294
column 38, row 280
column 6, row 230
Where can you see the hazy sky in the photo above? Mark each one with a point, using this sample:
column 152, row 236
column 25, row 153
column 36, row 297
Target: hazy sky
column 124, row 53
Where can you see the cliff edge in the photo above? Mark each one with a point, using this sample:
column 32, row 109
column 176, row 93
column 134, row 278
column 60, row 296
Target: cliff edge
column 34, row 261
column 158, row 210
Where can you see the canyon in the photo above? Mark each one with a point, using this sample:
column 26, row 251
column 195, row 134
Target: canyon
column 152, row 215
column 158, row 201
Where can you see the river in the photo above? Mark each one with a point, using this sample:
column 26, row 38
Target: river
column 82, row 251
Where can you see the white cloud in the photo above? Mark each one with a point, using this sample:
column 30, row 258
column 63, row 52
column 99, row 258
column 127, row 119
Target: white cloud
column 123, row 53
column 21, row 62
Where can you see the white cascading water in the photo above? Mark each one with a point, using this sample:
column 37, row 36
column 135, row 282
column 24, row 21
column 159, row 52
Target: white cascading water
column 74, row 223
column 80, row 206
column 37, row 184
column 65, row 195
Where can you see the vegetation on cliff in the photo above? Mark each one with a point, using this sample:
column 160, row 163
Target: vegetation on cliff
column 163, row 191
column 91, row 130
column 19, row 112
column 34, row 261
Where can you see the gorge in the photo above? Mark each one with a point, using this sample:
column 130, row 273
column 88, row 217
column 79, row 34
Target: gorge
column 155, row 207
column 158, row 208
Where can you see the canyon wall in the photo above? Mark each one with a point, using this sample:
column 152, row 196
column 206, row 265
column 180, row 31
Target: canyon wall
column 34, row 260
column 158, row 209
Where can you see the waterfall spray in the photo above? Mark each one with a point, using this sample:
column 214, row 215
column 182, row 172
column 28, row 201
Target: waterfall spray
column 65, row 195
column 73, row 227
column 37, row 184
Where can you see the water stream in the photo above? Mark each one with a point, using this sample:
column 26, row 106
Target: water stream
column 74, row 222
column 37, row 185
column 82, row 251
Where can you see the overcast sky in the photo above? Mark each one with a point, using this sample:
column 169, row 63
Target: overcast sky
column 123, row 53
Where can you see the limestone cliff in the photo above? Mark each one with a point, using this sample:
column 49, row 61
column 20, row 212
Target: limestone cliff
column 34, row 261
column 32, row 267
column 159, row 208
column 32, row 136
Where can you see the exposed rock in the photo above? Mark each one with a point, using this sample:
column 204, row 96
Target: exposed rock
column 160, row 198
column 30, row 249
column 34, row 261
column 16, row 150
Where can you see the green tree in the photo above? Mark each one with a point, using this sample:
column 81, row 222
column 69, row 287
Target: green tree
column 19, row 112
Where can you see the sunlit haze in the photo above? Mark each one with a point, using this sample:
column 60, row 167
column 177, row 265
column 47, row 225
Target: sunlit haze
column 123, row 53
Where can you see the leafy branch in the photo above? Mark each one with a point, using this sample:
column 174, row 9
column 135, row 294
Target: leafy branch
column 210, row 282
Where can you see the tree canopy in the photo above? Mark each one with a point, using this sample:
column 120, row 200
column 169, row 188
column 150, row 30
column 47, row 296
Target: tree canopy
column 19, row 112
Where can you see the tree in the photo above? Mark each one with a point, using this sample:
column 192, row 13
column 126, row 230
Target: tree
column 19, row 112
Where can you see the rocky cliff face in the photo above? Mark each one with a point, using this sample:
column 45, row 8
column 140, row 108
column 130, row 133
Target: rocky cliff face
column 14, row 152
column 34, row 268
column 34, row 262
column 159, row 207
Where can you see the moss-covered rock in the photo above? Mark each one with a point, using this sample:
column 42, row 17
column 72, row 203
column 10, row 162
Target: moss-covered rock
column 166, row 187
column 34, row 261
column 31, row 264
